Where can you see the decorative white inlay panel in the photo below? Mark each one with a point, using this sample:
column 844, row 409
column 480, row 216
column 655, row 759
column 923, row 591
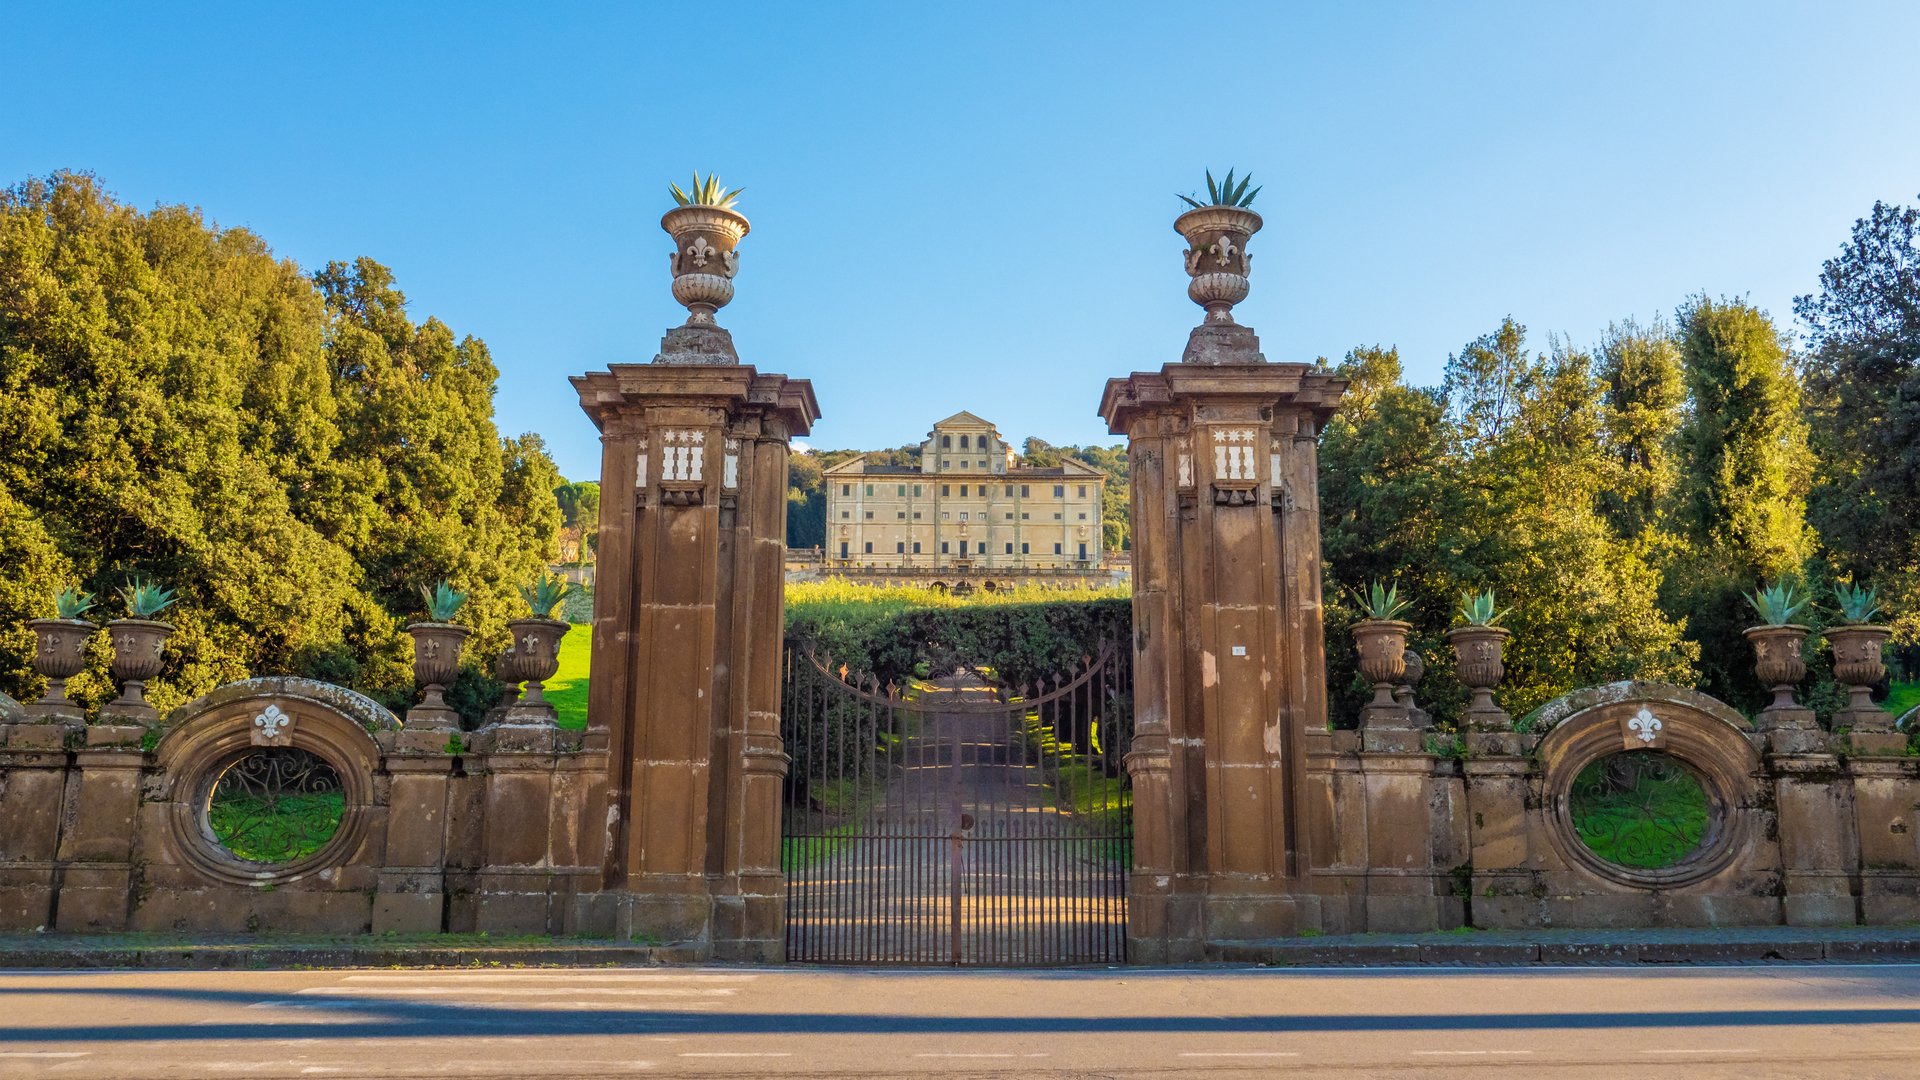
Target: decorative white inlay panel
column 730, row 467
column 683, row 458
column 1644, row 725
column 1273, row 460
column 1233, row 454
column 1186, row 470
column 640, row 466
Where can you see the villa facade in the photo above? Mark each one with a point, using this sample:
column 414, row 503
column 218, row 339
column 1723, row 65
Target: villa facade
column 969, row 506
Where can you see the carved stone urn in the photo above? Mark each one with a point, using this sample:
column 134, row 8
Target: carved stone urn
column 1382, row 644
column 138, row 650
column 436, row 661
column 1217, row 259
column 59, row 654
column 1415, row 670
column 704, row 259
column 1858, row 665
column 1479, row 655
column 1777, row 660
column 532, row 659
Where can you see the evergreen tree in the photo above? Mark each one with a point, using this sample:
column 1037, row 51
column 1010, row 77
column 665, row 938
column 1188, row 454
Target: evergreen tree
column 1644, row 394
column 1745, row 471
column 1863, row 381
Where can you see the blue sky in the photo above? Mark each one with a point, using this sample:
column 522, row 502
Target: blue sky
column 969, row 205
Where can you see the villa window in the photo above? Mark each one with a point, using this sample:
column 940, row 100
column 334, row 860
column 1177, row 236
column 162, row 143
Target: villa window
column 869, row 550
column 1023, row 549
column 1059, row 491
column 1023, row 491
column 1083, row 515
column 946, row 489
column 1083, row 491
column 846, row 490
column 963, row 442
column 946, row 442
column 900, row 548
column 944, row 550
column 1023, row 515
column 1056, row 549
column 870, row 491
column 903, row 491
column 916, row 547
column 916, row 491
column 900, row 514
column 1009, row 491
column 963, row 491
column 845, row 514
column 983, row 547
column 1059, row 517
column 1009, row 547
column 869, row 515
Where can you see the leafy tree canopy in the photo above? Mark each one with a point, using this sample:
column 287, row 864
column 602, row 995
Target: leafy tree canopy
column 295, row 455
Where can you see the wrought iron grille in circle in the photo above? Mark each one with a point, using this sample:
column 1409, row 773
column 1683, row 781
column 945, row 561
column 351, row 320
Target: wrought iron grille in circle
column 276, row 805
column 1641, row 809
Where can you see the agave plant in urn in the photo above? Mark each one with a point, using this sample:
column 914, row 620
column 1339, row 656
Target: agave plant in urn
column 1217, row 232
column 534, row 654
column 1776, row 654
column 436, row 658
column 706, row 232
column 139, row 643
column 1858, row 664
column 1381, row 639
column 1479, row 649
column 60, row 653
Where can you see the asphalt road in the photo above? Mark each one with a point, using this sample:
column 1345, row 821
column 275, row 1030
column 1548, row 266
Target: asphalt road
column 1749, row 1022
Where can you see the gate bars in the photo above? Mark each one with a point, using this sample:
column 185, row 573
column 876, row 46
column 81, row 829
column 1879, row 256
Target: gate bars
column 956, row 822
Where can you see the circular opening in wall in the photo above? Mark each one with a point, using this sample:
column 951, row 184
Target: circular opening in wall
column 275, row 806
column 1641, row 810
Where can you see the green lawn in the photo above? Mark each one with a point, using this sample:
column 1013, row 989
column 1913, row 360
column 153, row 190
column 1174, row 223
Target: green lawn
column 1905, row 695
column 568, row 687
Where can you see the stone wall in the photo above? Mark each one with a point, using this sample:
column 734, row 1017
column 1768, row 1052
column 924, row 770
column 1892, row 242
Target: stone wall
column 1809, row 831
column 112, row 826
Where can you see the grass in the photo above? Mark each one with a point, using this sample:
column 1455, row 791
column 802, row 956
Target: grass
column 282, row 830
column 568, row 687
column 1656, row 823
column 1902, row 698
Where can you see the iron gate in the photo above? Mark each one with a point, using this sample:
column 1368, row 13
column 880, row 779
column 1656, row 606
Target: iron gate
column 954, row 822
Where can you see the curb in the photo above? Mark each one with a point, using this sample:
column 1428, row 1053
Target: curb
column 246, row 957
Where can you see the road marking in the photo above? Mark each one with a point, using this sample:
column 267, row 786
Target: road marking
column 980, row 1055
column 514, row 991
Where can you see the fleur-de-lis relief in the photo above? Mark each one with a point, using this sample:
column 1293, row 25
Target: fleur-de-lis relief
column 530, row 641
column 1225, row 250
column 272, row 721
column 730, row 263
column 52, row 645
column 433, row 648
column 1760, row 649
column 1644, row 725
column 699, row 250
column 1483, row 650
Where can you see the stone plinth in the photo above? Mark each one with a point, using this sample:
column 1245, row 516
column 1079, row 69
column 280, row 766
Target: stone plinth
column 1230, row 664
column 687, row 647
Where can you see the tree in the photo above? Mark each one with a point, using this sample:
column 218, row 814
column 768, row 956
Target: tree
column 294, row 459
column 1644, row 394
column 806, row 502
column 1863, row 384
column 1745, row 471
column 1443, row 494
column 579, row 504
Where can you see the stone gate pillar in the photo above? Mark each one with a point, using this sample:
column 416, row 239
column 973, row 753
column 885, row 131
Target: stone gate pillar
column 1230, row 670
column 688, row 620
